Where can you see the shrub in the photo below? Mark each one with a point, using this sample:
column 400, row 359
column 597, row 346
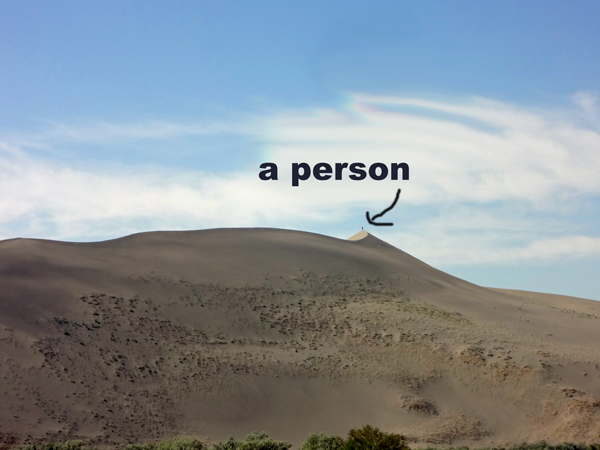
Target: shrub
column 139, row 447
column 230, row 444
column 171, row 444
column 253, row 441
column 180, row 444
column 68, row 445
column 369, row 438
column 322, row 442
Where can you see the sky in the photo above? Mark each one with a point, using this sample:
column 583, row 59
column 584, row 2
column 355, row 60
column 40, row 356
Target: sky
column 119, row 117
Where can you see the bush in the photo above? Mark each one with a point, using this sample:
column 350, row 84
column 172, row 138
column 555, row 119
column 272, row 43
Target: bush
column 171, row 444
column 139, row 447
column 369, row 438
column 68, row 445
column 230, row 444
column 253, row 441
column 180, row 444
column 322, row 442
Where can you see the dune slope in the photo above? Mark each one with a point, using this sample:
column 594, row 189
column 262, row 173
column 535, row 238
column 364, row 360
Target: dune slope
column 219, row 332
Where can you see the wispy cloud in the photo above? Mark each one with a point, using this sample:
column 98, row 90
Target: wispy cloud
column 509, row 153
column 111, row 132
column 587, row 101
column 490, row 181
column 55, row 134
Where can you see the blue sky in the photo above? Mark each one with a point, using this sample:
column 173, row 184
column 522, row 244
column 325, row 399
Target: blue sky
column 120, row 117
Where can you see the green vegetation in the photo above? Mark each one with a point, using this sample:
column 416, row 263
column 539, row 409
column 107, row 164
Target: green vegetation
column 369, row 438
column 322, row 442
column 171, row 444
column 68, row 445
column 365, row 438
column 254, row 441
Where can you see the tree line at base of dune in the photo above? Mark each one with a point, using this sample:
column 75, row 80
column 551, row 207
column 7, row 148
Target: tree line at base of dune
column 365, row 438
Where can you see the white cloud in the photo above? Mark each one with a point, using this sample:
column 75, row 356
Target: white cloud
column 570, row 246
column 586, row 100
column 467, row 235
column 60, row 134
column 46, row 199
column 480, row 151
column 110, row 132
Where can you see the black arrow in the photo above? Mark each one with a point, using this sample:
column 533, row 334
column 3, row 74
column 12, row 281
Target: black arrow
column 383, row 224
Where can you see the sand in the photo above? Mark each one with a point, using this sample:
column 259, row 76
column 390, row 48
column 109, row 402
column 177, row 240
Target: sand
column 219, row 332
column 358, row 236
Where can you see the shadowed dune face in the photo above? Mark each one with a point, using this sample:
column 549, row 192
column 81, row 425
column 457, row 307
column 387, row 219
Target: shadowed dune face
column 219, row 332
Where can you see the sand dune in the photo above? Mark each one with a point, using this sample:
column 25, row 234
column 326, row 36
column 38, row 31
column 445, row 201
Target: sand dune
column 219, row 332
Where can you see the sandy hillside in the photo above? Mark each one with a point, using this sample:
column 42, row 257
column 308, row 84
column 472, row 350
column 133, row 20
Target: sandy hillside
column 219, row 332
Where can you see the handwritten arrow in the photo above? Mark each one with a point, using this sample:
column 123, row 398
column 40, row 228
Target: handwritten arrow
column 383, row 224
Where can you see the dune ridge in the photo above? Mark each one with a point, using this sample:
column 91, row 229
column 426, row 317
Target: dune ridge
column 219, row 332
